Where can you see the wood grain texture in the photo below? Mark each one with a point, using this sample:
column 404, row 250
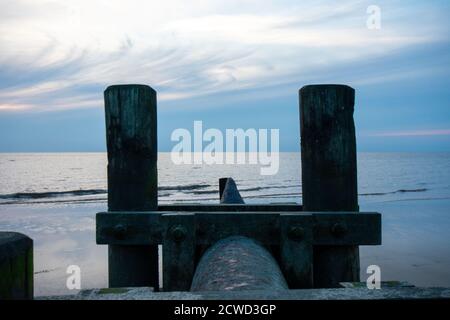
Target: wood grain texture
column 230, row 193
column 16, row 266
column 131, row 136
column 178, row 251
column 131, row 127
column 296, row 250
column 327, row 228
column 329, row 174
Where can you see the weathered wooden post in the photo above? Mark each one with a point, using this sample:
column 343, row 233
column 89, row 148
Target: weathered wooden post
column 222, row 184
column 229, row 193
column 329, row 177
column 130, row 112
column 16, row 266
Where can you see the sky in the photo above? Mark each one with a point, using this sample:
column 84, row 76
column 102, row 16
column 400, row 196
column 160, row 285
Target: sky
column 231, row 64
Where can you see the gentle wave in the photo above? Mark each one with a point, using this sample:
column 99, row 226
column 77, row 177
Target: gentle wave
column 247, row 189
column 52, row 194
column 393, row 192
column 87, row 192
column 185, row 187
column 25, row 197
column 103, row 199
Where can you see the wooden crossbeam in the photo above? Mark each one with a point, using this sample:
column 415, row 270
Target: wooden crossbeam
column 328, row 228
column 225, row 207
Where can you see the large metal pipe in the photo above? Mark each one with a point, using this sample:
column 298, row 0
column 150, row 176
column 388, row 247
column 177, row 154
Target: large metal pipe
column 237, row 263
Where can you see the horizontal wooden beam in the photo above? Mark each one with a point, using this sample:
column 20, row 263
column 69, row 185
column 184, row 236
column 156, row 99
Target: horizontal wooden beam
column 129, row 228
column 144, row 228
column 260, row 226
column 230, row 207
column 347, row 228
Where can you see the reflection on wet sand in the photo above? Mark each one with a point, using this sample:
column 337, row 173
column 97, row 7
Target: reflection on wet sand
column 63, row 236
column 415, row 243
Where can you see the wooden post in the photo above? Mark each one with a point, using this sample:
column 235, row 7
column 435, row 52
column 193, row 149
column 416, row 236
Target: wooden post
column 178, row 251
column 222, row 184
column 230, row 193
column 16, row 266
column 131, row 134
column 329, row 177
column 296, row 250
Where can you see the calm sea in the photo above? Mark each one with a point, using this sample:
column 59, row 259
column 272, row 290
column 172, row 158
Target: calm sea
column 53, row 198
column 49, row 178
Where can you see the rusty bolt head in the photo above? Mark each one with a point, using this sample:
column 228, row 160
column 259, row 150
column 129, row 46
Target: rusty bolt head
column 296, row 233
column 120, row 231
column 178, row 233
column 338, row 229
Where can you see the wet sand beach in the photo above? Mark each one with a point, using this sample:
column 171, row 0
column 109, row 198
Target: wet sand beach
column 415, row 242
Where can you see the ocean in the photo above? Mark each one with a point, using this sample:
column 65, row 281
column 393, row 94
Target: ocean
column 53, row 198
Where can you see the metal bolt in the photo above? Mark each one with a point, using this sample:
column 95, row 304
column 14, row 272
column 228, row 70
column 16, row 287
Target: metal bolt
column 338, row 229
column 296, row 233
column 120, row 231
column 178, row 233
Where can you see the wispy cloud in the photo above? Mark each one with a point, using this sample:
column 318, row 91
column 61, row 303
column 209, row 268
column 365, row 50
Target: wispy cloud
column 415, row 133
column 58, row 55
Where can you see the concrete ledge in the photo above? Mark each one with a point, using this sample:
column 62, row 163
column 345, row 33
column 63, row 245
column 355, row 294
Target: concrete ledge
column 305, row 294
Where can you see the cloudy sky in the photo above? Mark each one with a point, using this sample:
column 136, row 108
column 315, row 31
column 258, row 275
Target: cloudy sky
column 232, row 64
